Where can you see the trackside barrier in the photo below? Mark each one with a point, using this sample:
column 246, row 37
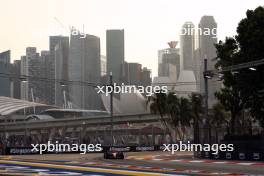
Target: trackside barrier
column 235, row 155
column 28, row 150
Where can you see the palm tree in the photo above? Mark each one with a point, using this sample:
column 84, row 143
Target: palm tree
column 219, row 117
column 158, row 105
column 177, row 110
column 197, row 111
column 179, row 113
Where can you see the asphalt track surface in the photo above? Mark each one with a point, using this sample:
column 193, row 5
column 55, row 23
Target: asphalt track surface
column 140, row 163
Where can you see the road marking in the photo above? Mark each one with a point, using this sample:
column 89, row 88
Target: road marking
column 220, row 162
column 154, row 158
column 90, row 163
column 157, row 159
column 139, row 158
column 178, row 160
column 245, row 164
column 80, row 168
column 196, row 161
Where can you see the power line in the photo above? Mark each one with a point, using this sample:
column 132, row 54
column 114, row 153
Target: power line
column 81, row 83
column 45, row 79
column 236, row 67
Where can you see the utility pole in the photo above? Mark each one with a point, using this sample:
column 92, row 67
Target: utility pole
column 206, row 88
column 206, row 77
column 33, row 100
column 111, row 107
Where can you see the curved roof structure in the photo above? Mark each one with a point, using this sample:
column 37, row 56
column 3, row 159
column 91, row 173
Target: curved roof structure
column 186, row 76
column 10, row 105
column 127, row 103
column 39, row 117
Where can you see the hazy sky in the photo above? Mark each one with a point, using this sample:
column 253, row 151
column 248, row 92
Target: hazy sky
column 148, row 24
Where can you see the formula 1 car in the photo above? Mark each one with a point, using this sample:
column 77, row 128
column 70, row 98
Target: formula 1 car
column 113, row 155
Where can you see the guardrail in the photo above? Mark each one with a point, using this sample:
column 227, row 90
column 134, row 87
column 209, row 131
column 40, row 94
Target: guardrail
column 73, row 122
column 29, row 151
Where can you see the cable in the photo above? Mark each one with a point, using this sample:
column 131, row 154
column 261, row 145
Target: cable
column 237, row 67
column 81, row 83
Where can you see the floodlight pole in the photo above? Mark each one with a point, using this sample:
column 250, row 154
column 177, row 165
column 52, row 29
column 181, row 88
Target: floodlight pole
column 111, row 107
column 206, row 89
column 206, row 99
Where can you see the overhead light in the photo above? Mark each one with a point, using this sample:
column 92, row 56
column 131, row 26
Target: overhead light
column 208, row 77
column 62, row 84
column 220, row 75
column 234, row 72
column 252, row 68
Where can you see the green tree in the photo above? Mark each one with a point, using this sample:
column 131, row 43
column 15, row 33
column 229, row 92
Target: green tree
column 158, row 105
column 197, row 111
column 242, row 88
column 175, row 112
column 232, row 102
column 220, row 118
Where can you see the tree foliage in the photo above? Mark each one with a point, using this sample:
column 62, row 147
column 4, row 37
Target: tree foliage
column 181, row 112
column 243, row 88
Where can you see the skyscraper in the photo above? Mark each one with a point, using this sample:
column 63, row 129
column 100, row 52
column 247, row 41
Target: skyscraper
column 53, row 41
column 24, row 83
column 16, row 70
column 36, row 68
column 132, row 73
column 5, row 70
column 84, row 66
column 115, row 53
column 146, row 79
column 103, row 65
column 169, row 62
column 207, row 39
column 30, row 67
column 187, row 46
column 48, row 73
column 61, row 71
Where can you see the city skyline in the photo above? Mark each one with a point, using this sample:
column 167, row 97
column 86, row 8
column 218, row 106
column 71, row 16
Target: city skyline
column 145, row 33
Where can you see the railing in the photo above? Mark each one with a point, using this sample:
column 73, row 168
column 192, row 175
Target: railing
column 73, row 122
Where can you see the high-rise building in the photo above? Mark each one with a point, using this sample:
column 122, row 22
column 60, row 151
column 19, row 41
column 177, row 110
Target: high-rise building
column 146, row 79
column 103, row 65
column 84, row 66
column 30, row 68
column 115, row 53
column 187, row 46
column 47, row 72
column 169, row 62
column 53, row 41
column 207, row 39
column 61, row 71
column 24, row 83
column 132, row 73
column 36, row 69
column 5, row 57
column 4, row 73
column 16, row 71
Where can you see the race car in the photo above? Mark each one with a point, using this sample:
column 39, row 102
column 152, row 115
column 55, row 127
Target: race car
column 113, row 155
